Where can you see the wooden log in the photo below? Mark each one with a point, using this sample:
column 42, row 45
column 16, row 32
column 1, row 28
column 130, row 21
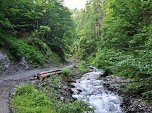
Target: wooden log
column 42, row 75
column 50, row 71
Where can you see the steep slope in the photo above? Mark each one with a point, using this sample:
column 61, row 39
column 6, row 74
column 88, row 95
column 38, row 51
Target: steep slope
column 34, row 29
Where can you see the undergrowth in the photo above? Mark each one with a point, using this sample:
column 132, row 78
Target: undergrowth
column 82, row 66
column 36, row 52
column 45, row 98
column 27, row 99
column 129, row 65
column 66, row 72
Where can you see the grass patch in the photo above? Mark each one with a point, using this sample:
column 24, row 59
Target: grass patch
column 29, row 100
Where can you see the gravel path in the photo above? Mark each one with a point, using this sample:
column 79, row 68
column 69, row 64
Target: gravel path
column 8, row 84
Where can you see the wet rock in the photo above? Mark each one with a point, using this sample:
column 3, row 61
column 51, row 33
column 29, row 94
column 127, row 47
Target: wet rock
column 106, row 73
column 92, row 69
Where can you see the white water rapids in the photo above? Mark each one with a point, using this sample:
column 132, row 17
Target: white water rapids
column 90, row 90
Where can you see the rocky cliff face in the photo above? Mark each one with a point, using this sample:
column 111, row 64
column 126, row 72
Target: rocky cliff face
column 7, row 67
column 4, row 62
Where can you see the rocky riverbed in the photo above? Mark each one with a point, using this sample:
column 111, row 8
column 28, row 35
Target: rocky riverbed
column 89, row 88
column 131, row 103
column 116, row 85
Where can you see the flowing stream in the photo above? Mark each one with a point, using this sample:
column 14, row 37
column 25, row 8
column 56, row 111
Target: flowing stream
column 90, row 89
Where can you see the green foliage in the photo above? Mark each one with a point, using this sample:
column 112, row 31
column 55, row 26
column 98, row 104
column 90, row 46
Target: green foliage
column 125, row 35
column 18, row 48
column 27, row 89
column 136, row 87
column 82, row 66
column 41, row 46
column 74, row 107
column 66, row 72
column 148, row 96
column 103, row 60
column 142, row 88
column 29, row 100
column 88, row 29
column 34, row 57
column 46, row 23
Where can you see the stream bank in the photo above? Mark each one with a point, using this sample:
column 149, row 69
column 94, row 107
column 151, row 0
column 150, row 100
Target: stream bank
column 89, row 88
column 131, row 103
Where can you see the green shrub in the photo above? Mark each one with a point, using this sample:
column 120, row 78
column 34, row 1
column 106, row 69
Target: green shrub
column 82, row 66
column 147, row 96
column 137, row 65
column 41, row 46
column 18, row 48
column 73, row 107
column 21, row 91
column 136, row 87
column 29, row 100
column 141, row 87
column 36, row 51
column 104, row 59
column 66, row 72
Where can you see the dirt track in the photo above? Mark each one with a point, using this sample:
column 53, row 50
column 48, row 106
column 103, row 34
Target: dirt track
column 8, row 84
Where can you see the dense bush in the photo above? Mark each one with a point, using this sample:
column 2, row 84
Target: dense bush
column 137, row 65
column 29, row 100
column 82, row 66
column 35, row 50
column 41, row 46
column 18, row 48
column 66, row 72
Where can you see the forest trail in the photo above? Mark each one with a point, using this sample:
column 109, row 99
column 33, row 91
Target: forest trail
column 8, row 84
